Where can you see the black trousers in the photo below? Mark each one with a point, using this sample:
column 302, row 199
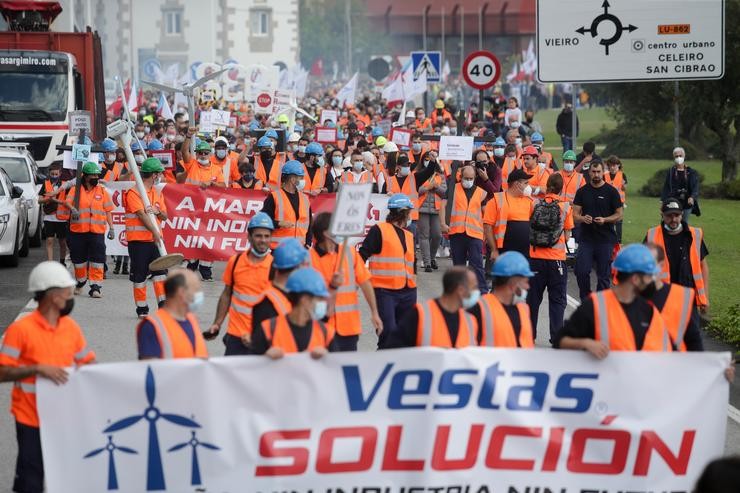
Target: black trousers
column 29, row 469
column 346, row 343
column 234, row 346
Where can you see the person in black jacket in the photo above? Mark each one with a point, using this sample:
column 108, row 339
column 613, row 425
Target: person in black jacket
column 564, row 127
column 682, row 183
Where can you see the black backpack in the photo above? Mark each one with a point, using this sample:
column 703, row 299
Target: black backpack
column 545, row 225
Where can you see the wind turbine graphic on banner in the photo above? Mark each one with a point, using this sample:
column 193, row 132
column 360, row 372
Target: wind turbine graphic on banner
column 111, row 448
column 195, row 467
column 188, row 91
column 152, row 414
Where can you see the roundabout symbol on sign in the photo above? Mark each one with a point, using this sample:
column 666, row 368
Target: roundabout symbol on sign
column 606, row 16
column 481, row 70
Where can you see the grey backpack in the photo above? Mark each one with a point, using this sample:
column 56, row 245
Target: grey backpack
column 545, row 225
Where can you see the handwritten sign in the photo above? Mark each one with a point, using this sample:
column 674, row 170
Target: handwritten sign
column 328, row 115
column 350, row 211
column 455, row 148
column 325, row 135
column 401, row 137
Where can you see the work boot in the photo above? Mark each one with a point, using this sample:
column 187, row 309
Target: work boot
column 95, row 291
column 142, row 311
column 434, row 265
column 124, row 269
column 428, row 268
column 193, row 265
column 79, row 286
column 206, row 273
column 117, row 266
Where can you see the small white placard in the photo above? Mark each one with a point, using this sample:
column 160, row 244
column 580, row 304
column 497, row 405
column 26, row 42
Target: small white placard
column 455, row 148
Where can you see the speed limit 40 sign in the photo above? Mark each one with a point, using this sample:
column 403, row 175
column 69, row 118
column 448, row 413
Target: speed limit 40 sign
column 481, row 70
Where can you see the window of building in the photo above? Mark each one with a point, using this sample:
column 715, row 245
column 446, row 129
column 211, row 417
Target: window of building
column 173, row 23
column 260, row 23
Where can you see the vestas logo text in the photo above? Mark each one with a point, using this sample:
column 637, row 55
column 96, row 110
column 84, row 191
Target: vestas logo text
column 457, row 388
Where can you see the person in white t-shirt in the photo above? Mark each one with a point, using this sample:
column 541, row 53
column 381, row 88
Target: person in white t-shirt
column 513, row 115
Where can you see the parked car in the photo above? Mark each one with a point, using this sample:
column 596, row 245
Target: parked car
column 13, row 222
column 17, row 161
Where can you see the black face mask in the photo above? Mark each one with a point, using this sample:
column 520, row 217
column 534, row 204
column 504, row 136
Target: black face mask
column 248, row 176
column 68, row 306
column 649, row 290
column 93, row 182
column 265, row 155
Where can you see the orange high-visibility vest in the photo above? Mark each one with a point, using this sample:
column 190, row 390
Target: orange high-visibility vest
column 676, row 314
column 232, row 159
column 432, row 329
column 346, row 318
column 496, row 327
column 349, row 177
column 271, row 182
column 557, row 251
column 500, row 208
column 444, row 116
column 279, row 301
column 510, row 164
column 61, row 212
column 617, row 182
column 655, row 235
column 135, row 229
column 284, row 212
column 571, row 183
column 613, row 327
column 432, row 183
column 173, row 341
column 279, row 335
column 112, row 174
column 409, row 189
column 539, row 179
column 94, row 204
column 467, row 216
column 248, row 281
column 319, row 179
column 426, row 123
column 393, row 268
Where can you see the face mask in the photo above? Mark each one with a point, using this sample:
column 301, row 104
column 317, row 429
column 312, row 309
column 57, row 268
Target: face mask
column 259, row 254
column 139, row 158
column 471, row 300
column 569, row 166
column 319, row 310
column 337, row 161
column 110, row 158
column 678, row 160
column 55, row 178
column 301, row 184
column 527, row 192
column 248, row 176
column 542, row 165
column 283, row 126
column 673, row 230
column 404, row 170
column 146, row 129
column 498, row 151
column 301, row 149
column 520, row 298
column 220, row 153
column 140, row 135
column 467, row 183
column 265, row 154
column 197, row 302
column 515, row 124
column 68, row 306
column 416, row 147
column 649, row 290
column 358, row 166
column 409, row 222
column 179, row 138
column 320, row 161
column 93, row 182
column 518, row 142
column 157, row 179
column 170, row 137
column 204, row 161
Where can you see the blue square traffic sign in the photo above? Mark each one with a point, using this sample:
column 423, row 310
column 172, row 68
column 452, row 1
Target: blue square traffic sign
column 429, row 62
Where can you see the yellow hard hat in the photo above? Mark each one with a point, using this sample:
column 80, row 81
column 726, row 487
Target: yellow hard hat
column 439, row 104
column 380, row 141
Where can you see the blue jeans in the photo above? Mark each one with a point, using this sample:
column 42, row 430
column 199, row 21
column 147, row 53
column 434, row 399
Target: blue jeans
column 466, row 250
column 392, row 305
column 553, row 275
column 589, row 254
column 567, row 143
column 686, row 214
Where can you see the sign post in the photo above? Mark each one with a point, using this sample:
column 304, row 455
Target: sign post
column 481, row 71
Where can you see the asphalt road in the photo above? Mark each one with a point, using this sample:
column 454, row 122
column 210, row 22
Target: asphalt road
column 109, row 327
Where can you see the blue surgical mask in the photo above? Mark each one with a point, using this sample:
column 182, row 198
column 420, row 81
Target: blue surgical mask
column 471, row 300
column 320, row 161
column 197, row 303
column 336, row 160
column 416, row 147
column 319, row 310
column 569, row 166
column 498, row 151
column 220, row 153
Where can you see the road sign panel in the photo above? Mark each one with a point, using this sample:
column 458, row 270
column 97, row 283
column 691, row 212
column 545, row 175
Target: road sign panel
column 429, row 62
column 481, row 70
column 631, row 40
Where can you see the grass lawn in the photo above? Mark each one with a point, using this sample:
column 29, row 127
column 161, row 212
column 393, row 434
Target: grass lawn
column 591, row 121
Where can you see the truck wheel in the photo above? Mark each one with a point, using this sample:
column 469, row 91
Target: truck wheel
column 35, row 240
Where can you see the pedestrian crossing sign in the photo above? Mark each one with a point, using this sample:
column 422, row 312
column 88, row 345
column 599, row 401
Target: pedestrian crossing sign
column 429, row 62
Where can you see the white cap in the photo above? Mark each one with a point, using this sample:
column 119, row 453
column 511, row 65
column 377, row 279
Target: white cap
column 390, row 147
column 410, row 114
column 47, row 275
column 294, row 137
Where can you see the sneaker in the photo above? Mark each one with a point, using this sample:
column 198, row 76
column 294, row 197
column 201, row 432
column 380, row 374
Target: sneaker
column 95, row 291
column 446, row 252
column 124, row 270
column 207, row 279
column 142, row 312
column 117, row 269
column 428, row 268
column 78, row 288
column 434, row 265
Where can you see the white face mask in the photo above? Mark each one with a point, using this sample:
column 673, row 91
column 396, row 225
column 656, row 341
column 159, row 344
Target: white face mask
column 337, row 161
column 518, row 142
column 301, row 149
column 498, row 151
column 301, row 184
column 678, row 159
column 542, row 165
column 471, row 300
column 569, row 166
column 404, row 171
column 320, row 161
column 673, row 230
column 139, row 158
column 527, row 192
column 220, row 153
column 140, row 135
column 110, row 158
column 409, row 222
column 319, row 310
column 197, row 303
column 204, row 161
column 170, row 137
column 515, row 124
column 520, row 298
column 467, row 183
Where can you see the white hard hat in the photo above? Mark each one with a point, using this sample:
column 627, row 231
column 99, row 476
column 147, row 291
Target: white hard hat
column 410, row 114
column 294, row 137
column 47, row 275
column 390, row 147
column 221, row 139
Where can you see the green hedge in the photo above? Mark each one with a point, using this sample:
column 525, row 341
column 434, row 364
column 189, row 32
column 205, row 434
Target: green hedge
column 726, row 326
column 729, row 190
column 655, row 142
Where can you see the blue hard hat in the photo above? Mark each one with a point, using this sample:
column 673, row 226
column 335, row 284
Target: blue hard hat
column 293, row 168
column 264, row 142
column 377, row 131
column 135, row 145
column 635, row 258
column 155, row 145
column 399, row 201
column 260, row 220
column 307, row 280
column 271, row 134
column 289, row 254
column 510, row 264
column 499, row 142
column 314, row 148
column 254, row 125
column 537, row 137
column 109, row 145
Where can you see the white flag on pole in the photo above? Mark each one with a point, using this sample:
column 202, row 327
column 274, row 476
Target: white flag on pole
column 413, row 87
column 394, row 91
column 346, row 95
column 133, row 100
